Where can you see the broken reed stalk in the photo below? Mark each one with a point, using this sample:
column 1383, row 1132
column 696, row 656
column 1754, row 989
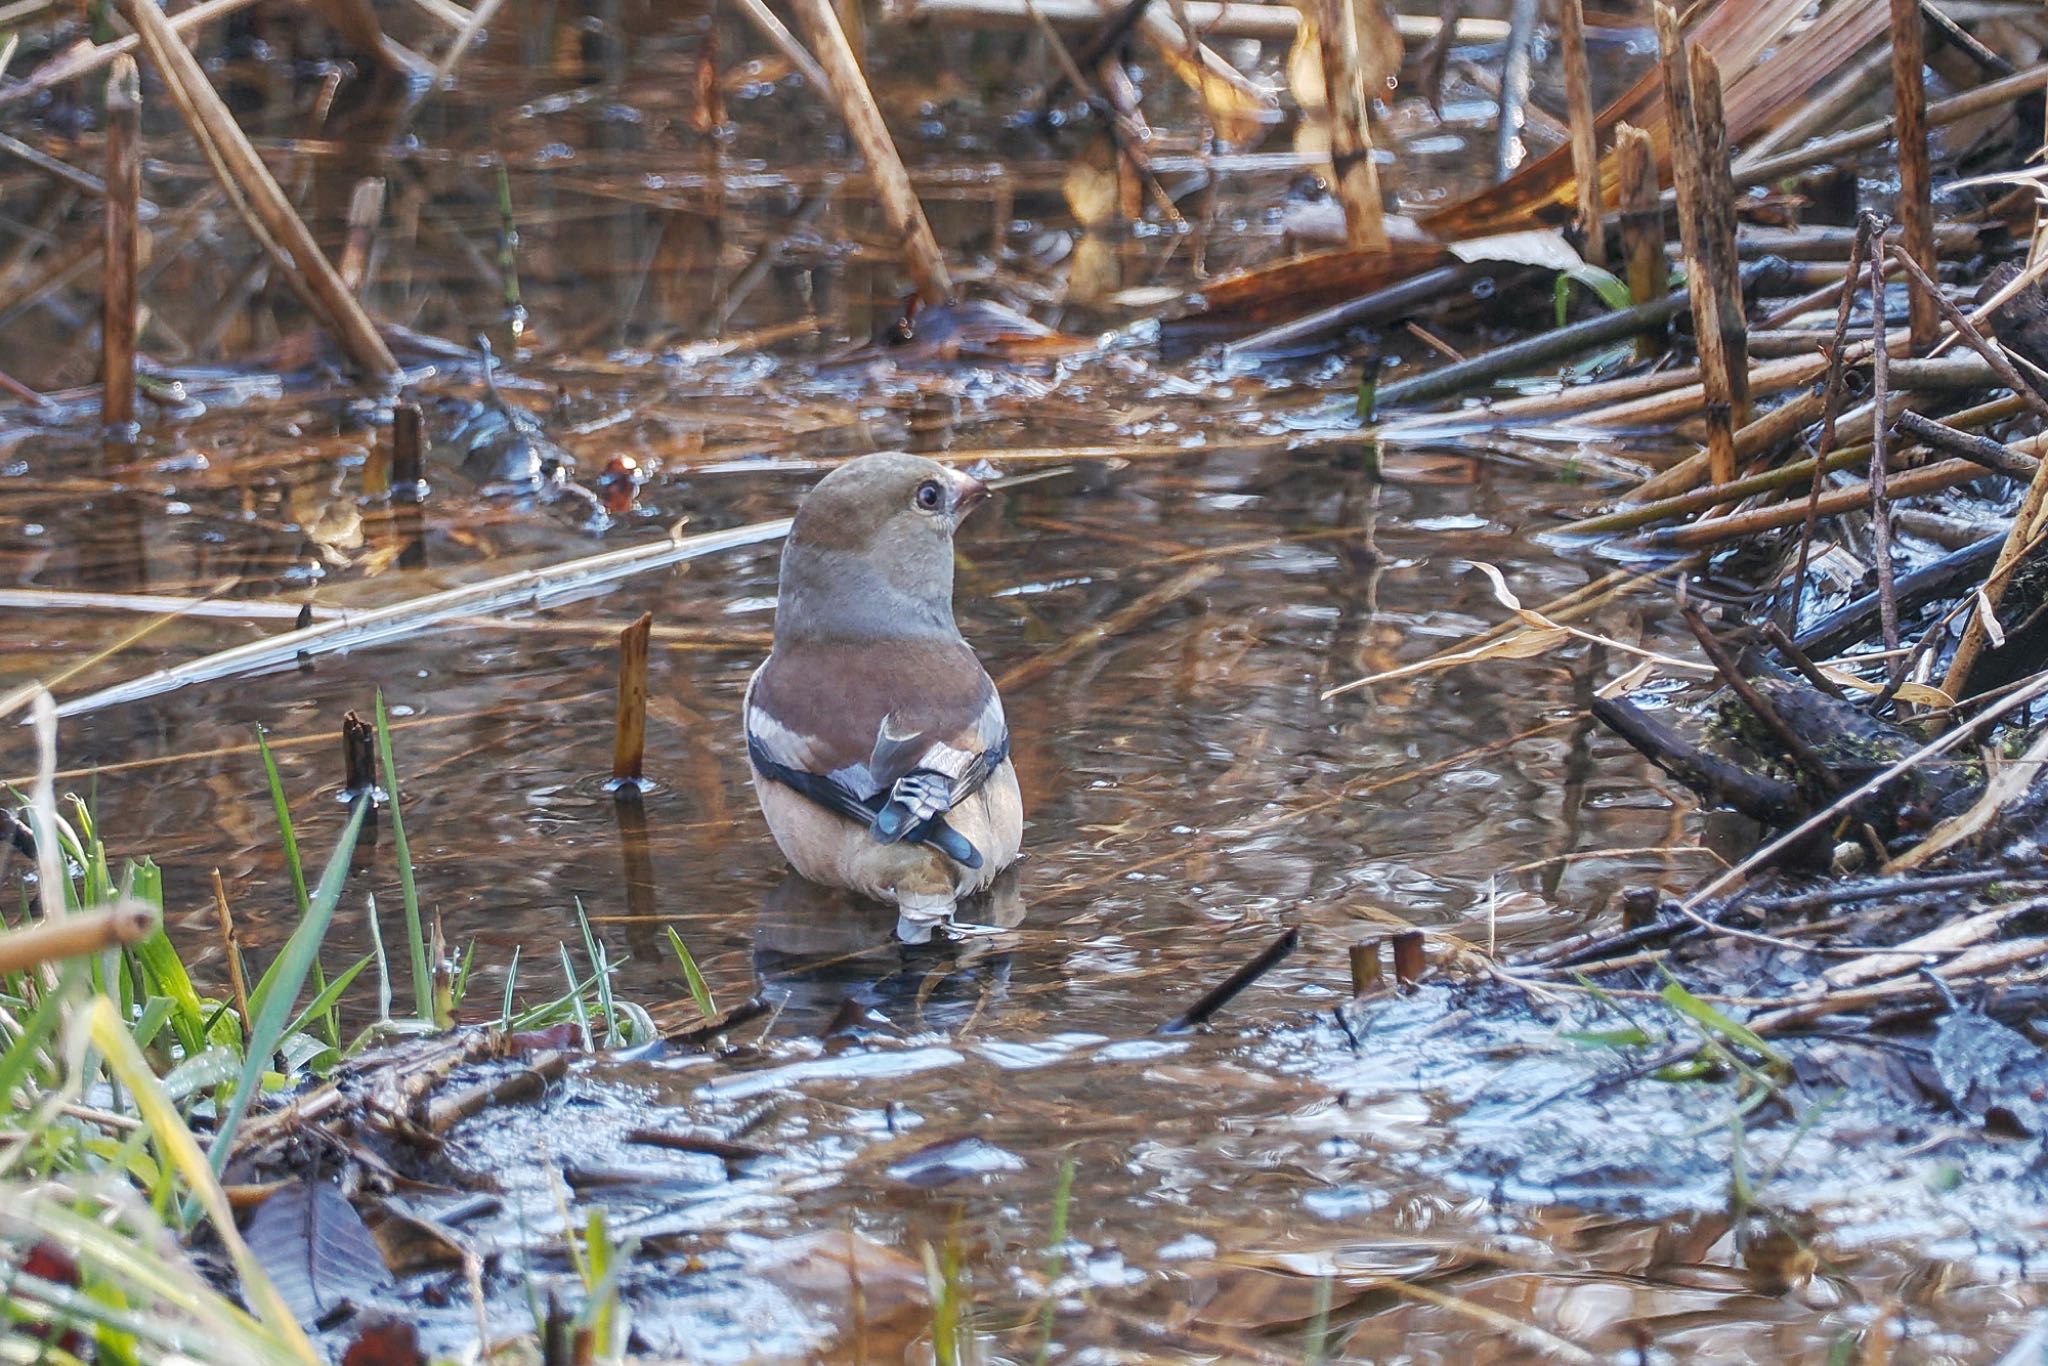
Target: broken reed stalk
column 1719, row 240
column 1915, row 209
column 1680, row 118
column 921, row 254
column 231, row 949
column 365, row 207
column 1226, row 991
column 75, row 936
column 629, row 741
column 1995, row 456
column 1578, row 88
column 1642, row 228
column 119, row 303
column 1357, row 180
column 255, row 193
column 1502, row 361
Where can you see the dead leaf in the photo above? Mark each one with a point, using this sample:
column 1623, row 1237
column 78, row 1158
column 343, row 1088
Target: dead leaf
column 318, row 1251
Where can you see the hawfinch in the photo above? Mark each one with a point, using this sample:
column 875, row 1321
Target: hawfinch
column 880, row 755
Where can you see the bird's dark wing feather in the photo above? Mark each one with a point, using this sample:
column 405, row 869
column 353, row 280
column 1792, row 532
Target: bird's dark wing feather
column 892, row 737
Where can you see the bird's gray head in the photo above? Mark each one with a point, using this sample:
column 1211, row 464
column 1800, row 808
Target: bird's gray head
column 871, row 554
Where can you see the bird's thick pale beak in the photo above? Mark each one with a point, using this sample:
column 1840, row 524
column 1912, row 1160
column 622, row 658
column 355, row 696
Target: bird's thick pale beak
column 971, row 494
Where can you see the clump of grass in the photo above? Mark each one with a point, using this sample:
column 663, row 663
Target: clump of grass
column 125, row 1085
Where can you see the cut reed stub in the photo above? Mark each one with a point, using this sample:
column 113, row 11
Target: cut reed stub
column 408, row 453
column 358, row 759
column 1367, row 974
column 1410, row 962
column 630, row 739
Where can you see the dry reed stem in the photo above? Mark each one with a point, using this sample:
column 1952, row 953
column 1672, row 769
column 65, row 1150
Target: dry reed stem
column 1915, row 208
column 365, row 207
column 255, row 192
column 61, row 936
column 629, row 743
column 849, row 88
column 1724, row 366
column 73, row 66
column 1682, row 122
column 231, row 949
column 1642, row 227
column 458, row 47
column 782, row 40
column 1736, row 525
column 1828, row 151
column 1578, row 85
column 119, row 302
column 1357, row 180
column 526, row 588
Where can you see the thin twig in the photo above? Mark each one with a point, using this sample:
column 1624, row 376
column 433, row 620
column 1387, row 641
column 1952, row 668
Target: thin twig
column 1880, row 505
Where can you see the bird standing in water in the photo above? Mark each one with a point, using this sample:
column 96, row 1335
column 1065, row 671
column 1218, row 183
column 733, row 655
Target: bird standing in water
column 880, row 754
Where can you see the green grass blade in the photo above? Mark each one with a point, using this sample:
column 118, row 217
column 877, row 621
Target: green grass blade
column 415, row 934
column 576, row 998
column 699, row 992
column 290, row 839
column 286, row 835
column 181, row 1150
column 511, row 981
column 291, row 970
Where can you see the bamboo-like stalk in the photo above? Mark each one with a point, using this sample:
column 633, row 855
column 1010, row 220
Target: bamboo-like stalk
column 1915, row 207
column 629, row 733
column 255, row 192
column 119, row 302
column 58, row 937
column 921, row 254
column 1578, row 88
column 1356, row 179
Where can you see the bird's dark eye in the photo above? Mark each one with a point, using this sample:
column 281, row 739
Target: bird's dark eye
column 930, row 495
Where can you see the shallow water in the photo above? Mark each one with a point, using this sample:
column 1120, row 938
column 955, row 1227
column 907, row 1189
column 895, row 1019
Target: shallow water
column 1189, row 792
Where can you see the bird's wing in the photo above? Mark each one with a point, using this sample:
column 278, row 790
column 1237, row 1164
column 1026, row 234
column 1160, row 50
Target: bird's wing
column 891, row 735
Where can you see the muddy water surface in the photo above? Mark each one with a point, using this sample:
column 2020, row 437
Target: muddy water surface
column 1164, row 610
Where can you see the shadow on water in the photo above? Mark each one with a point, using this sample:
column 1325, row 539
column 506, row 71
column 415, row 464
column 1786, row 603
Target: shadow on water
column 1399, row 1193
